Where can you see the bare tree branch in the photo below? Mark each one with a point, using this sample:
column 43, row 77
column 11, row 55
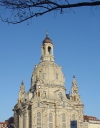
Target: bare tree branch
column 17, row 11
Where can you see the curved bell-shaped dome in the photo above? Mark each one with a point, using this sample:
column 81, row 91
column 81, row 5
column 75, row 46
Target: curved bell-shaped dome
column 47, row 40
column 48, row 73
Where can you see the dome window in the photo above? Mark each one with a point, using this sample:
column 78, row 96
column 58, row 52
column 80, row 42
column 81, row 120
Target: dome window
column 60, row 95
column 56, row 76
column 43, row 75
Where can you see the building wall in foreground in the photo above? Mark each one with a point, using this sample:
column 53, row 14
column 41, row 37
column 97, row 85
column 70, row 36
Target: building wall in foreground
column 91, row 125
column 91, row 122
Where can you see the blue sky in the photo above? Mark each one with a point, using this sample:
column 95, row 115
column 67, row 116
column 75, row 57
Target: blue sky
column 76, row 39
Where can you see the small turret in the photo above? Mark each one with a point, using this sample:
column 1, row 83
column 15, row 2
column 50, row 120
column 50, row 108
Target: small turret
column 22, row 93
column 74, row 80
column 74, row 91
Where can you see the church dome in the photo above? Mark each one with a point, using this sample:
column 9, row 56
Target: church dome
column 49, row 73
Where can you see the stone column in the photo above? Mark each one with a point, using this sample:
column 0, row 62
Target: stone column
column 22, row 120
column 32, row 116
column 19, row 121
column 27, row 119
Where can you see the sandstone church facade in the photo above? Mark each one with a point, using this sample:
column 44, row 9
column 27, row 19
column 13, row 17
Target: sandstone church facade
column 46, row 104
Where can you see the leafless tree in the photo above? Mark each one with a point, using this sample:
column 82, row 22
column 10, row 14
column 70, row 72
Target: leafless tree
column 17, row 11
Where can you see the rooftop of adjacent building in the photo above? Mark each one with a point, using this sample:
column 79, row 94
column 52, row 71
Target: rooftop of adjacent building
column 91, row 119
column 4, row 122
column 9, row 120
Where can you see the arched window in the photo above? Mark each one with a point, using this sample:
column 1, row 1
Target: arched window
column 37, row 77
column 38, row 104
column 73, row 117
column 50, row 120
column 50, row 117
column 49, row 50
column 63, row 105
column 63, row 117
column 38, row 120
column 63, row 120
column 38, row 94
column 74, row 98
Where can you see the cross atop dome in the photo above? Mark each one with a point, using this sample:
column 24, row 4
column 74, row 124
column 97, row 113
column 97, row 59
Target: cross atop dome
column 46, row 34
column 47, row 39
column 22, row 82
column 73, row 76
